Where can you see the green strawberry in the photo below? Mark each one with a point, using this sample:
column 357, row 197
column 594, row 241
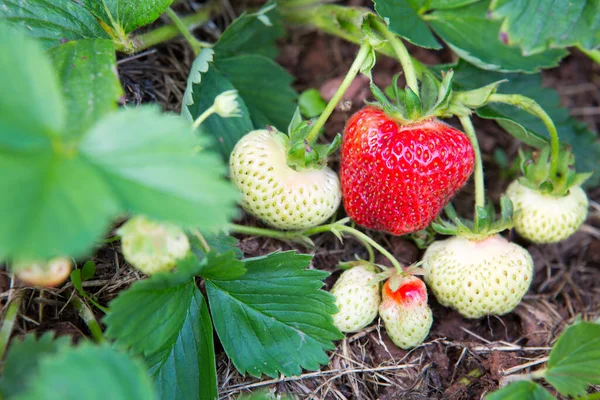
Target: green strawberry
column 544, row 218
column 357, row 297
column 478, row 277
column 152, row 247
column 404, row 311
column 279, row 195
column 38, row 273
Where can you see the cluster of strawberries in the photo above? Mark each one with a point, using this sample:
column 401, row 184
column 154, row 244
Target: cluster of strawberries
column 397, row 177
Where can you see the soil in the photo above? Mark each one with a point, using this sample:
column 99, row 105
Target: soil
column 461, row 359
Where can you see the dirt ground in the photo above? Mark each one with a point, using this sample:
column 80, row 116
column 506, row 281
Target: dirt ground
column 461, row 359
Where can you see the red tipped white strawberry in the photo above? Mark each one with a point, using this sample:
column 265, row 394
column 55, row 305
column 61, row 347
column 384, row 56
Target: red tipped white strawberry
column 548, row 210
column 51, row 273
column 357, row 297
column 478, row 277
column 280, row 195
column 404, row 311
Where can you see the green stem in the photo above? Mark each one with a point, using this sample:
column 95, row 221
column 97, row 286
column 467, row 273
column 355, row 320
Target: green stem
column 534, row 108
column 479, row 182
column 202, row 240
column 291, row 235
column 167, row 32
column 9, row 322
column 88, row 317
column 362, row 55
column 402, row 54
column 207, row 113
column 180, row 25
column 593, row 54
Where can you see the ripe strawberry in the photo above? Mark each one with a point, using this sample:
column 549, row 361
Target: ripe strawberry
column 404, row 310
column 357, row 297
column 51, row 273
column 152, row 247
column 544, row 218
column 398, row 177
column 279, row 195
column 478, row 277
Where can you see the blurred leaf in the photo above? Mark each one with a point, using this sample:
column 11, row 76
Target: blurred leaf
column 311, row 103
column 521, row 390
column 89, row 80
column 473, row 36
column 88, row 270
column 23, row 358
column 89, row 372
column 52, row 22
column 443, row 4
column 536, row 26
column 527, row 127
column 403, row 18
column 275, row 318
column 574, row 362
column 222, row 267
column 126, row 15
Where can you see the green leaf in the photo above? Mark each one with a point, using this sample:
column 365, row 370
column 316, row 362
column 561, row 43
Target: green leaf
column 252, row 33
column 537, row 25
column 574, row 362
column 87, row 372
column 150, row 314
column 521, row 390
column 527, row 127
column 148, row 160
column 51, row 22
column 126, row 15
column 311, row 103
column 474, row 37
column 31, row 107
column 90, row 84
column 23, row 358
column 275, row 318
column 88, row 270
column 222, row 267
column 444, row 4
column 403, row 18
column 186, row 368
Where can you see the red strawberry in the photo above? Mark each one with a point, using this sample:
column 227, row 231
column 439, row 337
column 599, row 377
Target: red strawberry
column 398, row 177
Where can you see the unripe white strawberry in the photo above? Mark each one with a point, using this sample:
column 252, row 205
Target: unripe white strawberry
column 357, row 297
column 546, row 218
column 276, row 193
column 39, row 273
column 152, row 247
column 478, row 278
column 404, row 311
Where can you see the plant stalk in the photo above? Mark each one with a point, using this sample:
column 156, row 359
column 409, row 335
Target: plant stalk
column 533, row 108
column 207, row 113
column 88, row 317
column 9, row 322
column 402, row 55
column 362, row 55
column 185, row 32
column 479, row 181
column 593, row 54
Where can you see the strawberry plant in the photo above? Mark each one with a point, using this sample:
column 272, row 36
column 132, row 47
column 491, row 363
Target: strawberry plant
column 215, row 223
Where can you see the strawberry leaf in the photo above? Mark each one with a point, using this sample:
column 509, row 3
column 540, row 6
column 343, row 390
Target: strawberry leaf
column 537, row 27
column 126, row 15
column 86, row 372
column 23, row 359
column 526, row 127
column 521, row 390
column 474, row 37
column 87, row 70
column 52, row 22
column 574, row 362
column 274, row 319
column 222, row 267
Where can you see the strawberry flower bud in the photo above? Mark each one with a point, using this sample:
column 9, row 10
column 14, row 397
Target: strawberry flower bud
column 152, row 247
column 43, row 273
column 226, row 104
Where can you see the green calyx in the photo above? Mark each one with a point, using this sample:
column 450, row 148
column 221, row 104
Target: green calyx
column 537, row 175
column 487, row 224
column 301, row 154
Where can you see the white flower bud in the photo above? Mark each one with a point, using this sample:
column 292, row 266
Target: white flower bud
column 226, row 104
column 152, row 247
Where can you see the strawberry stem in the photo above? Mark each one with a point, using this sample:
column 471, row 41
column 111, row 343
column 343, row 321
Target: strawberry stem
column 362, row 55
column 88, row 317
column 479, row 182
column 183, row 29
column 9, row 321
column 533, row 108
column 402, row 55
